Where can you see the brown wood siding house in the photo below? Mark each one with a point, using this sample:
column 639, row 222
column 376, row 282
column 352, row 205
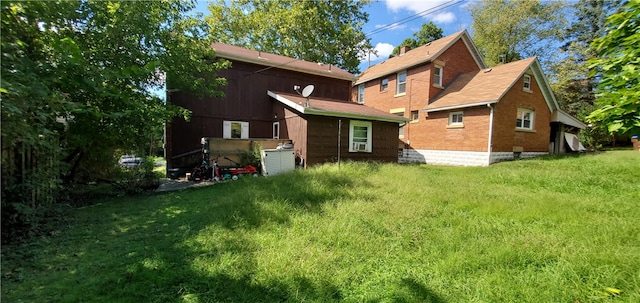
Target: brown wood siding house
column 460, row 111
column 246, row 102
column 320, row 123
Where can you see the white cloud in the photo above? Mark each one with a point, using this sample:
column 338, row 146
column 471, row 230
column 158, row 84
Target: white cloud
column 447, row 17
column 393, row 26
column 382, row 51
column 420, row 6
column 415, row 6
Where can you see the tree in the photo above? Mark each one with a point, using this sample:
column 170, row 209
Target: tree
column 506, row 30
column 429, row 32
column 76, row 86
column 571, row 82
column 318, row 31
column 618, row 66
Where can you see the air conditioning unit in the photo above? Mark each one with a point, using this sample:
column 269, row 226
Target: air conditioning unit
column 360, row 146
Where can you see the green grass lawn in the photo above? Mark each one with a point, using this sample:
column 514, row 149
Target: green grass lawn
column 552, row 229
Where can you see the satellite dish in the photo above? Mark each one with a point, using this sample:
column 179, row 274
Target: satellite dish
column 307, row 90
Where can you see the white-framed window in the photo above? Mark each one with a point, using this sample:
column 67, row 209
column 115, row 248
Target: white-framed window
column 524, row 119
column 401, row 83
column 438, row 72
column 359, row 136
column 415, row 116
column 276, row 130
column 384, row 84
column 361, row 93
column 456, row 118
column 235, row 130
column 401, row 129
column 527, row 83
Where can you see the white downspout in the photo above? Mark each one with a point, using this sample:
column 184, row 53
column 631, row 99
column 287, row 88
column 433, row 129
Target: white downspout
column 490, row 135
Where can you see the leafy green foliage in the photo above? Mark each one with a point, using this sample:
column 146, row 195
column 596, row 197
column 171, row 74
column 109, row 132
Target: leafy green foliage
column 317, row 31
column 506, row 31
column 618, row 66
column 571, row 82
column 552, row 229
column 426, row 34
column 76, row 84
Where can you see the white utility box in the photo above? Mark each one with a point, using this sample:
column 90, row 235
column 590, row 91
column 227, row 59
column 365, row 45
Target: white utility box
column 276, row 161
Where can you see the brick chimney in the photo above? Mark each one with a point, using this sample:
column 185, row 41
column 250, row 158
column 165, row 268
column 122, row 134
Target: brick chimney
column 404, row 49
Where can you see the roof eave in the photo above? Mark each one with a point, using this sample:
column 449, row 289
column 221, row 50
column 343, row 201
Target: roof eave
column 395, row 70
column 549, row 97
column 319, row 112
column 563, row 117
column 266, row 62
column 286, row 102
column 458, row 106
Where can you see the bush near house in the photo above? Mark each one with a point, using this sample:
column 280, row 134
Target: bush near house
column 550, row 229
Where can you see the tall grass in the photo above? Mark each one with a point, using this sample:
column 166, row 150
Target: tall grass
column 553, row 229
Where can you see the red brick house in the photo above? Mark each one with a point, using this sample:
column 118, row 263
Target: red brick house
column 260, row 103
column 460, row 111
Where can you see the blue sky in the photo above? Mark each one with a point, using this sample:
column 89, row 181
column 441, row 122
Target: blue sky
column 450, row 15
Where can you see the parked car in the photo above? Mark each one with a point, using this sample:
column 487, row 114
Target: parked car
column 129, row 161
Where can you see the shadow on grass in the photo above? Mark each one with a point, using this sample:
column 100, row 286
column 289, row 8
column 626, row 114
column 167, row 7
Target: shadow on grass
column 420, row 292
column 187, row 246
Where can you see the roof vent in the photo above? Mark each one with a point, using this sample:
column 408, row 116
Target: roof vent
column 487, row 70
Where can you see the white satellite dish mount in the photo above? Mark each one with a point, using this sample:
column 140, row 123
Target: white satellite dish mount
column 306, row 92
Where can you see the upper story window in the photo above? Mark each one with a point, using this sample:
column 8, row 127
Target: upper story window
column 401, row 83
column 360, row 136
column 384, row 84
column 235, row 130
column 456, row 118
column 527, row 83
column 361, row 93
column 437, row 75
column 524, row 119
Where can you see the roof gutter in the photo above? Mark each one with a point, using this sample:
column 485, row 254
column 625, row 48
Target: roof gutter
column 458, row 106
column 320, row 112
